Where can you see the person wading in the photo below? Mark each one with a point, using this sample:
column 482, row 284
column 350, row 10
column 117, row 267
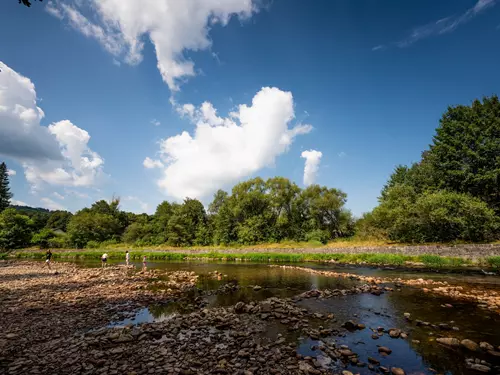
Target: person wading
column 127, row 258
column 104, row 260
column 48, row 257
column 144, row 263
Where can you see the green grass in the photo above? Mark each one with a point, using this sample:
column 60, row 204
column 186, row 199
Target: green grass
column 428, row 261
column 493, row 262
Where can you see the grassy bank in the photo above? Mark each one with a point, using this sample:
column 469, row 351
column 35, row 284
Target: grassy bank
column 430, row 261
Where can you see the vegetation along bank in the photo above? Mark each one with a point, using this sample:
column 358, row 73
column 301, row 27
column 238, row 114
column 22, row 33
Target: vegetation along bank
column 451, row 195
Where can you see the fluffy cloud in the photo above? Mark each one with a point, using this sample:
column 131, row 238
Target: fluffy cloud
column 51, row 205
column 150, row 163
column 22, row 136
column 223, row 150
column 313, row 158
column 57, row 154
column 11, row 172
column 173, row 26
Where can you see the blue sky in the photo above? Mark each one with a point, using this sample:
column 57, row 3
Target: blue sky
column 370, row 80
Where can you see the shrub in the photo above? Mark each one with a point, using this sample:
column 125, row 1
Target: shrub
column 93, row 245
column 318, row 235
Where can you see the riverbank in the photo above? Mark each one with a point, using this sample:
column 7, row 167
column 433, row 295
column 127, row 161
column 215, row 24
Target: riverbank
column 413, row 257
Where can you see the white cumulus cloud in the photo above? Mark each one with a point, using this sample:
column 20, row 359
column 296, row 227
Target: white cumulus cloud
column 57, row 154
column 22, row 137
column 313, row 158
column 223, row 150
column 173, row 26
column 11, row 172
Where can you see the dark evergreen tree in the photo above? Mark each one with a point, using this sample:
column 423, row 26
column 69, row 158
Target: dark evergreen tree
column 5, row 194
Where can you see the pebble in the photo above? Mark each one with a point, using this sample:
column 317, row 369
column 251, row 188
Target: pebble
column 397, row 371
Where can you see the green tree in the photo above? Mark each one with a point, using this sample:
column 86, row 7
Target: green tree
column 282, row 195
column 220, row 197
column 42, row 238
column 5, row 194
column 323, row 208
column 434, row 216
column 398, row 176
column 59, row 220
column 87, row 226
column 15, row 230
column 139, row 231
column 224, row 226
column 465, row 152
column 185, row 223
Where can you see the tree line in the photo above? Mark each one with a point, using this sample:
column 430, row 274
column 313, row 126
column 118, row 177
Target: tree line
column 451, row 194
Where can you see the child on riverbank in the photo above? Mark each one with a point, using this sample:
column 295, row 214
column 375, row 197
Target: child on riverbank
column 127, row 258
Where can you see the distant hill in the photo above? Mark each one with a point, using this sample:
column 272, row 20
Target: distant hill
column 30, row 210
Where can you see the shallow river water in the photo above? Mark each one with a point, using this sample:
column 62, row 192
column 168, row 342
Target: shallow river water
column 418, row 354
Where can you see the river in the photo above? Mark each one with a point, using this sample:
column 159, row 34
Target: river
column 417, row 354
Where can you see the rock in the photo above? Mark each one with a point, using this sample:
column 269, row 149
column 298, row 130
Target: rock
column 307, row 368
column 416, row 342
column 11, row 336
column 469, row 344
column 375, row 337
column 448, row 341
column 486, row 346
column 239, row 307
column 394, row 333
column 407, row 315
column 384, row 349
column 403, row 335
column 257, row 287
column 494, row 353
column 397, row 371
column 345, row 372
column 323, row 361
column 346, row 352
column 350, row 325
column 361, row 326
column 383, row 369
column 479, row 367
column 373, row 361
column 444, row 327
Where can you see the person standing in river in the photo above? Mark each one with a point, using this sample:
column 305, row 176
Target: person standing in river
column 104, row 260
column 48, row 257
column 144, row 263
column 127, row 258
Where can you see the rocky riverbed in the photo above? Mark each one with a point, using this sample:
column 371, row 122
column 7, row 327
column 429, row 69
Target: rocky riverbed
column 59, row 322
column 485, row 298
